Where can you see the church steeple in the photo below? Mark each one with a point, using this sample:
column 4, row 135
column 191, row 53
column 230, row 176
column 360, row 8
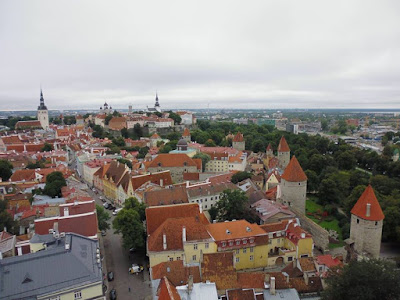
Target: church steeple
column 157, row 103
column 42, row 106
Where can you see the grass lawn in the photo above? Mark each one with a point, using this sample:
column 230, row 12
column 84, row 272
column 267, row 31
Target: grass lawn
column 312, row 206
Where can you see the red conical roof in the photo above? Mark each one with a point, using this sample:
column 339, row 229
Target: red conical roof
column 186, row 132
column 294, row 172
column 238, row 137
column 269, row 147
column 360, row 208
column 283, row 145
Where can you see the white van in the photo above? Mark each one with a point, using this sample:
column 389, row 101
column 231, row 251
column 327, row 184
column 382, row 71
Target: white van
column 116, row 211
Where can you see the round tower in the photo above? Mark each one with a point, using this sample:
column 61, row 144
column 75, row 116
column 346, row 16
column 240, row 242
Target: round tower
column 269, row 151
column 366, row 224
column 283, row 153
column 186, row 135
column 42, row 113
column 238, row 142
column 294, row 186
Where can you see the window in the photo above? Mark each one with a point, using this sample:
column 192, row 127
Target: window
column 237, row 259
column 194, row 257
column 358, row 221
column 195, row 246
column 237, row 251
column 178, row 258
column 237, row 242
column 290, row 258
column 244, row 250
column 171, row 259
column 206, row 206
column 376, row 223
column 244, row 242
column 231, row 243
column 207, row 245
column 251, row 241
column 78, row 295
column 212, row 198
column 251, row 249
column 223, row 244
column 251, row 257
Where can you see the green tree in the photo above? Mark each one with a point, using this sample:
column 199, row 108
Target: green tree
column 6, row 220
column 142, row 152
column 258, row 146
column 54, row 182
column 312, row 181
column 129, row 222
column 5, row 169
column 47, row 147
column 124, row 132
column 107, row 119
column 126, row 162
column 346, row 160
column 328, row 192
column 233, row 204
column 363, row 280
column 240, row 176
column 174, row 116
column 36, row 165
column 102, row 218
column 205, row 158
column 210, row 143
column 324, row 125
column 352, row 199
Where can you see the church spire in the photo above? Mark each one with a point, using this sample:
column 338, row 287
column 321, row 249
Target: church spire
column 42, row 106
column 157, row 103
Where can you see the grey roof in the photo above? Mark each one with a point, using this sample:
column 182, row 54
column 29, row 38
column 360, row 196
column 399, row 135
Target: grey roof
column 211, row 189
column 43, row 238
column 51, row 270
column 287, row 294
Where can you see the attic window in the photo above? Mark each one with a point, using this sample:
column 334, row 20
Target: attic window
column 248, row 229
column 228, row 232
column 159, row 164
column 27, row 278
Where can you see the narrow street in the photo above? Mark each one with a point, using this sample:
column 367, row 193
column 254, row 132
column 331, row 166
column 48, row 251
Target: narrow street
column 118, row 260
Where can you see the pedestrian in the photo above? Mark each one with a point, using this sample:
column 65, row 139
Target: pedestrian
column 129, row 288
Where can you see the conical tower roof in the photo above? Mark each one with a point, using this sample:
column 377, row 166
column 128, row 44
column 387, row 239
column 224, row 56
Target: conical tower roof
column 269, row 147
column 294, row 172
column 375, row 210
column 283, row 145
column 238, row 137
column 186, row 132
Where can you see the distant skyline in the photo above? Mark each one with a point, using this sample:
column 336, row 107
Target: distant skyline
column 225, row 54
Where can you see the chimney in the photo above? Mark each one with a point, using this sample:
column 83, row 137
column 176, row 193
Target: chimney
column 161, row 182
column 164, row 237
column 305, row 278
column 272, row 290
column 190, row 283
column 66, row 211
column 368, row 213
column 184, row 234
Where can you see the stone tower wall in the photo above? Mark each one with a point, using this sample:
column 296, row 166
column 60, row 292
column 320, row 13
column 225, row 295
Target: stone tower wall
column 366, row 235
column 284, row 159
column 238, row 145
column 294, row 194
column 43, row 117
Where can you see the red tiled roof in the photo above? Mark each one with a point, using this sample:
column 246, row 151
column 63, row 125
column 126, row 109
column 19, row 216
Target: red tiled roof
column 176, row 272
column 117, row 123
column 186, row 133
column 20, row 175
column 251, row 280
column 328, row 261
column 220, row 178
column 172, row 228
column 155, row 136
column 191, row 176
column 156, row 215
column 283, row 145
column 271, row 193
column 12, row 139
column 167, row 291
column 294, row 233
column 77, row 208
column 294, row 172
column 273, row 227
column 156, row 177
column 238, row 137
column 269, row 147
column 239, row 294
column 218, row 267
column 27, row 124
column 360, row 208
column 172, row 160
column 234, row 230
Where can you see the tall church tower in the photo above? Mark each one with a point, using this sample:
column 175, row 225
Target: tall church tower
column 366, row 224
column 43, row 114
column 293, row 186
column 283, row 153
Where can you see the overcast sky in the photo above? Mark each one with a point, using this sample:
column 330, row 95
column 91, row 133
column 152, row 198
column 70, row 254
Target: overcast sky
column 225, row 54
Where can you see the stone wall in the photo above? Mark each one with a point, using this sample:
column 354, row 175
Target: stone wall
column 320, row 235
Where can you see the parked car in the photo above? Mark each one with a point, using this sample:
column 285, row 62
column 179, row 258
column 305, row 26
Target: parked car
column 106, row 205
column 111, row 206
column 113, row 294
column 115, row 212
column 103, row 233
column 102, row 199
column 110, row 276
column 135, row 269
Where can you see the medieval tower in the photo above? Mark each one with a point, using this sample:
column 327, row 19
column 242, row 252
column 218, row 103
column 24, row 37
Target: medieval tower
column 42, row 113
column 186, row 135
column 283, row 153
column 293, row 187
column 366, row 224
column 238, row 142
column 270, row 151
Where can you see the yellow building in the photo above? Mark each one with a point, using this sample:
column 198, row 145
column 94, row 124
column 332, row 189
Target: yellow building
column 248, row 242
column 179, row 239
column 287, row 242
column 112, row 179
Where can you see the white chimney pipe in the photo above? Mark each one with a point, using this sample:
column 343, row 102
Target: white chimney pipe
column 164, row 241
column 161, row 182
column 368, row 213
column 184, row 234
column 272, row 290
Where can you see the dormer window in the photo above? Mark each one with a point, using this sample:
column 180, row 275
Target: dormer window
column 244, row 242
column 159, row 164
column 228, row 232
column 251, row 241
column 237, row 242
column 230, row 243
column 223, row 244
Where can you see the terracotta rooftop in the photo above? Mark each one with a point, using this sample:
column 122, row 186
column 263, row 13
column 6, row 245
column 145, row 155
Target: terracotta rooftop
column 360, row 208
column 156, row 215
column 155, row 136
column 294, row 172
column 176, row 272
column 26, row 174
column 218, row 268
column 186, row 132
column 238, row 137
column 234, row 230
column 161, row 178
column 269, row 147
column 166, row 160
column 307, row 264
column 167, row 291
column 283, row 145
column 239, row 294
column 328, row 261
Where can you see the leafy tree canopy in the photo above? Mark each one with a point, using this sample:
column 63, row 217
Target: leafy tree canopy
column 240, row 176
column 233, row 204
column 102, row 218
column 5, row 169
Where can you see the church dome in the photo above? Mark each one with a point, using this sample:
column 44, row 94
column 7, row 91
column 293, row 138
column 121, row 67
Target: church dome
column 182, row 142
